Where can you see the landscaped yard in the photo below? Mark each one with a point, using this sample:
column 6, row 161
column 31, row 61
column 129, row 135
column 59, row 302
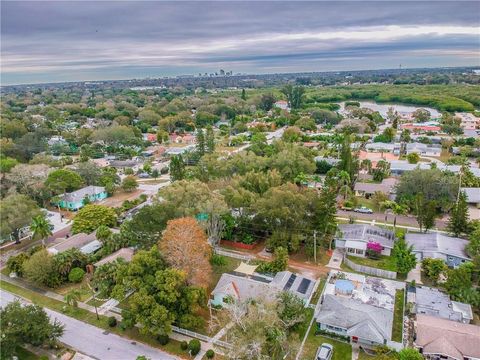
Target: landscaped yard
column 318, row 292
column 24, row 354
column 230, row 265
column 80, row 314
column 84, row 291
column 384, row 262
column 398, row 316
column 341, row 350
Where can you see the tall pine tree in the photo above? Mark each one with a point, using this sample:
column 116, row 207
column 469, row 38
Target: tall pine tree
column 177, row 168
column 210, row 139
column 458, row 222
column 200, row 142
column 244, row 95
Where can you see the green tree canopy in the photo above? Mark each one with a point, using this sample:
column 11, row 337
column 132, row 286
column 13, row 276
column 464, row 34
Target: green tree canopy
column 90, row 217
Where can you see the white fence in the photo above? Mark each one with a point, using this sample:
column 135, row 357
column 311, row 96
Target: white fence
column 370, row 270
column 233, row 254
column 202, row 337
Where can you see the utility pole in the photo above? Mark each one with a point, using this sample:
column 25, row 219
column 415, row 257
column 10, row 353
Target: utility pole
column 315, row 245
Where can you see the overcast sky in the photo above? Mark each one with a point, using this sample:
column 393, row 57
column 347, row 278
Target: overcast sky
column 43, row 41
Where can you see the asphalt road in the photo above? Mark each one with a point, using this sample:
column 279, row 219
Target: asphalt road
column 96, row 342
column 380, row 217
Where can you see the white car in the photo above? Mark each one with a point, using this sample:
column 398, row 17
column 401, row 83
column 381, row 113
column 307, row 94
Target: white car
column 324, row 352
column 363, row 210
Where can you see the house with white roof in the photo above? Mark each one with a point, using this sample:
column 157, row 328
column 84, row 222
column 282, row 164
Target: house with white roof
column 424, row 149
column 354, row 238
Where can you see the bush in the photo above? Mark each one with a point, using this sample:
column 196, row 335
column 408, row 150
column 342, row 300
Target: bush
column 112, row 321
column 194, row 346
column 184, row 345
column 210, row 354
column 15, row 263
column 218, row 260
column 163, row 339
column 76, row 275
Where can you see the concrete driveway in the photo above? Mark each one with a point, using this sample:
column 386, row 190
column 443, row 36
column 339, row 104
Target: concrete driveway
column 95, row 342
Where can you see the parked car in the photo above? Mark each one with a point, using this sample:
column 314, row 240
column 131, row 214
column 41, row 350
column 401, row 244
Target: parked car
column 324, row 352
column 364, row 210
column 143, row 175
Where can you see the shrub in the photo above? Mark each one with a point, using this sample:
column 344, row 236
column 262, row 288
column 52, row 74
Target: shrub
column 218, row 260
column 210, row 354
column 76, row 275
column 112, row 321
column 184, row 345
column 248, row 239
column 163, row 339
column 15, row 263
column 194, row 346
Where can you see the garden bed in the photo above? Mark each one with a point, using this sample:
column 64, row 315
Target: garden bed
column 238, row 245
column 383, row 263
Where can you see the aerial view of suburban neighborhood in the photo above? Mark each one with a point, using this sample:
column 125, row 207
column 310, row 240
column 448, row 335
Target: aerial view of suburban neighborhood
column 278, row 180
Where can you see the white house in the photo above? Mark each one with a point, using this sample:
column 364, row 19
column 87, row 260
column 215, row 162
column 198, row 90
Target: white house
column 354, row 238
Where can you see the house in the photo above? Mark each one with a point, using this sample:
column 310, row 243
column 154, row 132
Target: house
column 468, row 121
column 241, row 287
column 178, row 150
column 150, row 137
column 387, row 187
column 355, row 237
column 86, row 243
column 433, row 302
column 358, row 307
column 398, row 167
column 124, row 253
column 282, row 104
column 123, row 164
column 438, row 246
column 383, row 147
column 438, row 338
column 57, row 140
column 431, row 126
column 473, row 196
column 76, row 200
column 424, row 149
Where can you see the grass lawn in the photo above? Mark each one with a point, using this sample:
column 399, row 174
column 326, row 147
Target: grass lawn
column 319, row 290
column 384, row 262
column 398, row 316
column 95, row 302
column 24, row 354
column 230, row 265
column 301, row 328
column 362, row 355
column 85, row 291
column 341, row 350
column 172, row 347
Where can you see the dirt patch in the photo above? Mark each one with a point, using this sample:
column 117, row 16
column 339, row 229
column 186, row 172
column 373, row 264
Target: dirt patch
column 118, row 199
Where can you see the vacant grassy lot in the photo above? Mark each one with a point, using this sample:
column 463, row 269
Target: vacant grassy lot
column 398, row 316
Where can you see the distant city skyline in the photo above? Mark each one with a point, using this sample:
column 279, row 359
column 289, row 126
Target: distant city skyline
column 56, row 41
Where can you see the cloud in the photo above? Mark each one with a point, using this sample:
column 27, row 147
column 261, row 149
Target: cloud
column 71, row 40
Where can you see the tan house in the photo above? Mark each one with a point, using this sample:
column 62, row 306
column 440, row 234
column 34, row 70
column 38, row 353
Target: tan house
column 438, row 338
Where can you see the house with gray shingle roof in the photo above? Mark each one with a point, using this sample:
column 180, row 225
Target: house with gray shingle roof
column 438, row 246
column 238, row 287
column 358, row 307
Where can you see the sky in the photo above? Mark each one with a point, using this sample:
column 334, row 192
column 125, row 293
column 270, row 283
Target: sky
column 54, row 41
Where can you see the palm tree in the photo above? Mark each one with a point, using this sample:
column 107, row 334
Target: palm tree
column 40, row 228
column 72, row 297
column 344, row 180
column 398, row 209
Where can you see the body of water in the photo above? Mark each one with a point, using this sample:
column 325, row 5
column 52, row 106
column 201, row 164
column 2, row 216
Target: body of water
column 383, row 108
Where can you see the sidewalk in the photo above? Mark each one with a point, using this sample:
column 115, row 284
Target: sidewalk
column 415, row 274
column 336, row 259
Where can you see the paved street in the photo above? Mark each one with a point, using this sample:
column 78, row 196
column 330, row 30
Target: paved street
column 380, row 217
column 96, row 342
